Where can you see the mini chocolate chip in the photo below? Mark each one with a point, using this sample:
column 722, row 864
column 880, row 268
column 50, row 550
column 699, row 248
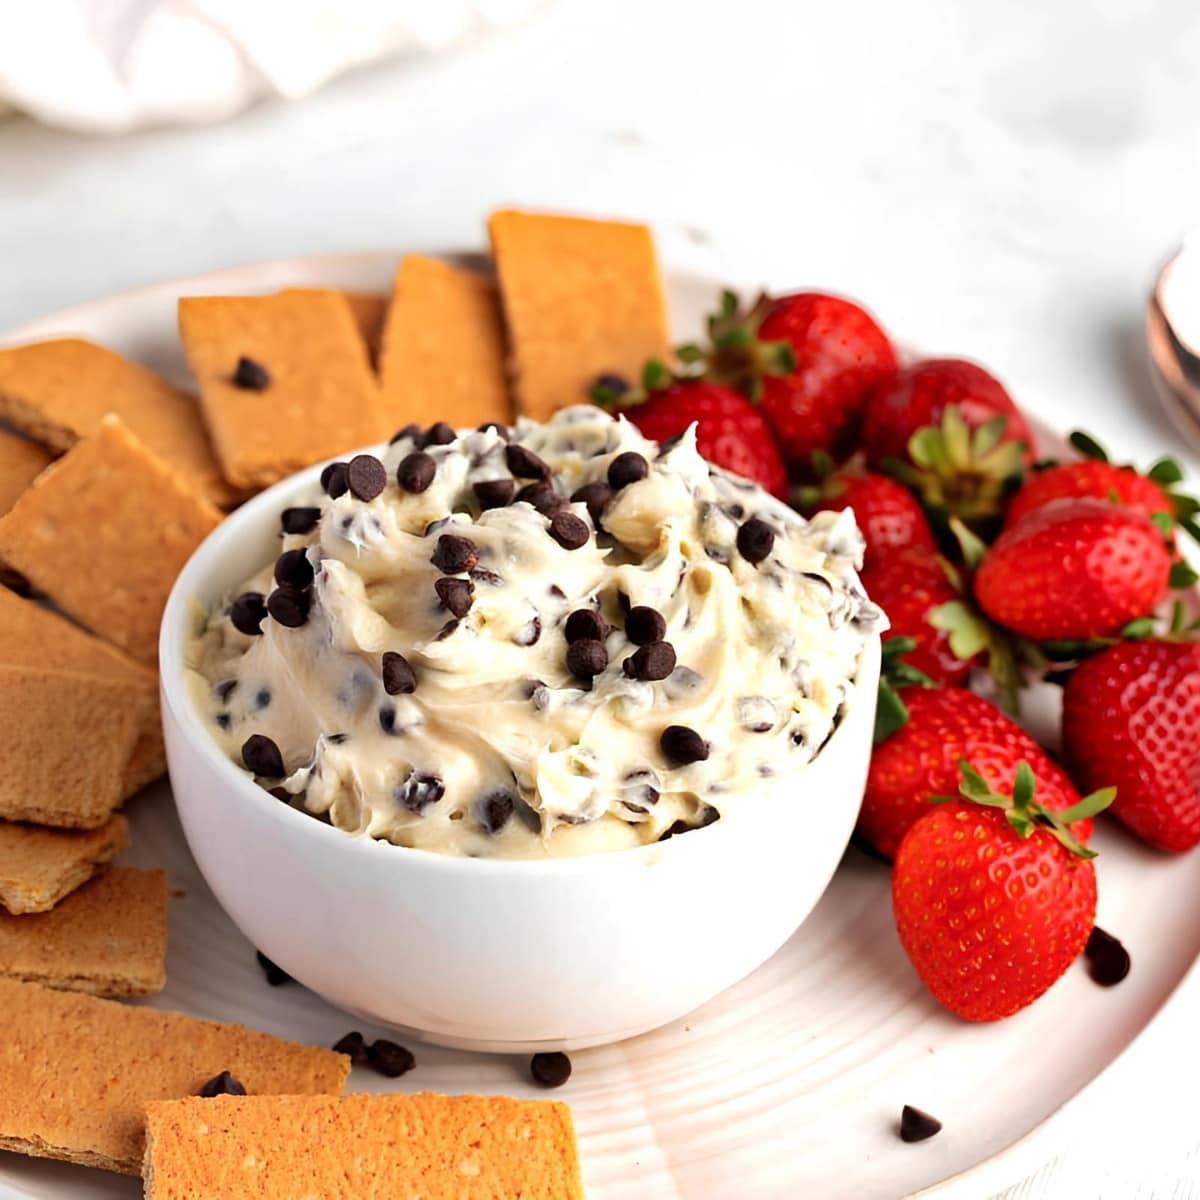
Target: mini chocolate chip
column 585, row 623
column 276, row 976
column 366, row 476
column 248, row 612
column 398, row 676
column 494, row 811
column 416, row 471
column 917, row 1126
column 502, row 430
column 529, row 633
column 354, row 1045
column 551, row 1068
column 411, row 430
column 438, row 434
column 644, row 625
column 595, row 496
column 261, row 756
column 555, row 591
column 280, row 794
column 221, row 1085
column 289, row 607
column 447, row 629
column 333, row 480
column 251, row 376
column 225, row 689
column 524, row 464
column 387, row 718
column 389, row 1058
column 223, row 721
column 483, row 575
column 627, row 468
column 299, row 520
column 292, row 569
column 682, row 745
column 568, row 530
column 493, row 493
column 586, row 658
column 541, row 496
column 262, row 699
column 336, row 739
column 755, row 540
column 419, row 791
column 616, row 385
column 1108, row 960
column 655, row 660
column 454, row 554
column 455, row 594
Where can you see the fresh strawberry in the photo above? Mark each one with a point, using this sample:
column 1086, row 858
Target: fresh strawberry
column 992, row 896
column 1131, row 717
column 920, row 760
column 730, row 431
column 1073, row 570
column 889, row 518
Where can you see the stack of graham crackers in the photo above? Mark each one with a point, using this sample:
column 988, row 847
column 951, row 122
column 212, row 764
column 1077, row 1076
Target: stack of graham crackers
column 110, row 476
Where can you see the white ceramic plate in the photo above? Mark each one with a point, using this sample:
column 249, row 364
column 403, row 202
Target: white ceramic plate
column 788, row 1085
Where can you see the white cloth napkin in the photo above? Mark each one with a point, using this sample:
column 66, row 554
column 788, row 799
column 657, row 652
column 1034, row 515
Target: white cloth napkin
column 108, row 66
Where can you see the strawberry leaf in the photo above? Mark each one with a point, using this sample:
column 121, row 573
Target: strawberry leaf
column 1182, row 575
column 972, row 546
column 1165, row 471
column 1087, row 446
column 655, row 375
column 987, row 437
column 1139, row 629
column 1161, row 521
column 1091, row 805
column 1023, row 785
column 968, row 633
column 891, row 713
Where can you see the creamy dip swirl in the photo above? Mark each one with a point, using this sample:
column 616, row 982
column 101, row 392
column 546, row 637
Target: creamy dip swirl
column 490, row 735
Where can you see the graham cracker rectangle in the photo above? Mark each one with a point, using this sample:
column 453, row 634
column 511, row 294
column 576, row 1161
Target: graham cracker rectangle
column 581, row 298
column 67, row 740
column 39, row 866
column 443, row 348
column 314, row 397
column 107, row 938
column 423, row 1146
column 58, row 391
column 21, row 462
column 104, row 532
column 79, row 1072
column 368, row 310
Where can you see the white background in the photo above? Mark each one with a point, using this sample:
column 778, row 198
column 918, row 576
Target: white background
column 996, row 180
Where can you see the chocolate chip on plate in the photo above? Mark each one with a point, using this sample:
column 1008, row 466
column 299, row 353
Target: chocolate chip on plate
column 366, row 477
column 454, row 554
column 682, row 745
column 438, row 434
column 568, row 530
column 333, row 480
column 276, row 975
column 644, row 625
column 221, row 1085
column 502, row 431
column 655, row 660
column 261, row 756
column 524, row 464
column 542, row 496
column 628, row 467
column 550, row 1068
column 289, row 607
column 389, row 1058
column 292, row 569
column 398, row 676
column 416, row 471
column 493, row 493
column 1108, row 960
column 495, row 810
column 251, row 376
column 248, row 612
column 586, row 658
column 917, row 1126
column 585, row 623
column 411, row 430
column 419, row 791
column 595, row 496
column 455, row 594
column 299, row 520
column 354, row 1045
column 755, row 540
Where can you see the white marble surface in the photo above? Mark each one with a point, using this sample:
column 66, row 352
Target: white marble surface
column 994, row 180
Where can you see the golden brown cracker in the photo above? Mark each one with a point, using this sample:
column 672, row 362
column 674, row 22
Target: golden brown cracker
column 368, row 310
column 369, row 1147
column 39, row 866
column 21, row 462
column 104, row 532
column 321, row 397
column 78, row 1071
column 107, row 938
column 443, row 348
column 67, row 740
column 581, row 298
column 148, row 760
column 58, row 391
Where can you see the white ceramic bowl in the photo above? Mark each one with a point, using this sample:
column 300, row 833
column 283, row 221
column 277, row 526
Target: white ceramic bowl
column 485, row 954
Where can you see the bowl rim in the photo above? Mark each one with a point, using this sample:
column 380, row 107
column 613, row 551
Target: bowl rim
column 174, row 631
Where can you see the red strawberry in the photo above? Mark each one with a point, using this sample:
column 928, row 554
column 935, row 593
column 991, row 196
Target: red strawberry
column 888, row 516
column 731, row 431
column 1131, row 717
column 991, row 904
column 1090, row 478
column 920, row 760
column 918, row 396
column 1073, row 570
